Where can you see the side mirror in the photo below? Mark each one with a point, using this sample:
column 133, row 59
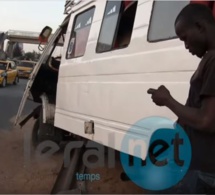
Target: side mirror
column 45, row 34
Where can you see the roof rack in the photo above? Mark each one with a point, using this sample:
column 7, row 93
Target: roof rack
column 69, row 4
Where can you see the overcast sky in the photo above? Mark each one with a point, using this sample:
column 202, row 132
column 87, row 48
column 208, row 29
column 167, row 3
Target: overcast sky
column 31, row 15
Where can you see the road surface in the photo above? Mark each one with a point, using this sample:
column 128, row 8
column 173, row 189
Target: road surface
column 10, row 98
column 21, row 172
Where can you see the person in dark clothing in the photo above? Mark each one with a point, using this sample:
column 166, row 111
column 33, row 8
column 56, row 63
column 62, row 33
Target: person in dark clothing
column 195, row 26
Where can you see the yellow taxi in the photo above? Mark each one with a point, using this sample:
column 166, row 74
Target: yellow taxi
column 25, row 68
column 8, row 73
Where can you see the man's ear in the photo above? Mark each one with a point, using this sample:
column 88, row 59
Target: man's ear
column 200, row 26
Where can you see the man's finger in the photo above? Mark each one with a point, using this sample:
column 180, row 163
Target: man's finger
column 151, row 91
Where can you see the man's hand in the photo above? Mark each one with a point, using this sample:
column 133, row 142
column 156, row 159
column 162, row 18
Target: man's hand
column 160, row 96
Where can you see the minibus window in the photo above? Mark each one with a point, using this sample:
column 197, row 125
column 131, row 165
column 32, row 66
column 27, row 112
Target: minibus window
column 163, row 18
column 117, row 25
column 80, row 33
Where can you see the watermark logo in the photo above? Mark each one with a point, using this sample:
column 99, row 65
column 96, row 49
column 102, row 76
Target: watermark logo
column 87, row 177
column 167, row 154
column 164, row 146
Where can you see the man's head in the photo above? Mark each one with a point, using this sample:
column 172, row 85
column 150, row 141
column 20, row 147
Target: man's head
column 193, row 25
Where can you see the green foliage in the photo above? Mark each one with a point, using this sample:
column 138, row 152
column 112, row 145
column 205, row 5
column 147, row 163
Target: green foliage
column 34, row 56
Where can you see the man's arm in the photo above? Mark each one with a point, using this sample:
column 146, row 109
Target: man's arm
column 202, row 119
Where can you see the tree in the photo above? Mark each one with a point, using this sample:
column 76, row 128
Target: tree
column 34, row 56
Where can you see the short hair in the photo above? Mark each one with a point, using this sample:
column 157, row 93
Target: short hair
column 195, row 11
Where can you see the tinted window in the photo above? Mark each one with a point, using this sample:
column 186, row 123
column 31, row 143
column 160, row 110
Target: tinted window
column 163, row 18
column 27, row 64
column 80, row 34
column 117, row 25
column 109, row 25
column 3, row 66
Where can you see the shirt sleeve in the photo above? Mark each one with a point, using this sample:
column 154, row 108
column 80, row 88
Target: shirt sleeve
column 208, row 84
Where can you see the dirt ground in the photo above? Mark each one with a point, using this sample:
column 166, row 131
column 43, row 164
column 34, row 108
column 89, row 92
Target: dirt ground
column 21, row 172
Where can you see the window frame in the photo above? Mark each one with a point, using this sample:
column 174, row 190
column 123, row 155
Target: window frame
column 116, row 31
column 150, row 23
column 54, row 47
column 72, row 31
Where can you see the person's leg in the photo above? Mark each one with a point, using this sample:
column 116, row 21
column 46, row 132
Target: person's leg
column 186, row 186
column 206, row 183
column 194, row 182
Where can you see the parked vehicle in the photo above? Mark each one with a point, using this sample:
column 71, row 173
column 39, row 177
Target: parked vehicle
column 25, row 68
column 8, row 73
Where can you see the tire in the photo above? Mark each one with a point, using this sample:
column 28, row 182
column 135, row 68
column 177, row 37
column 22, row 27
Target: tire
column 16, row 80
column 44, row 132
column 4, row 82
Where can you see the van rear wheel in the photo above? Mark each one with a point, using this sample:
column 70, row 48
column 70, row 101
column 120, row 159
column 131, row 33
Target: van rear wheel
column 45, row 132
